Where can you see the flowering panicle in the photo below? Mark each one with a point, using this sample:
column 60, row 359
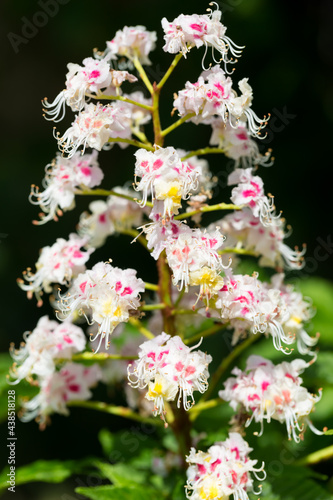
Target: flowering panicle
column 58, row 263
column 224, row 470
column 92, row 77
column 168, row 367
column 165, row 177
column 244, row 230
column 72, row 382
column 187, row 31
column 132, row 42
column 237, row 144
column 115, row 215
column 106, row 295
column 46, row 343
column 269, row 391
column 63, row 177
column 212, row 95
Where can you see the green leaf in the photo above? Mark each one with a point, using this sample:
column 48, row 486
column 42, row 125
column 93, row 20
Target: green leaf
column 119, row 493
column 121, row 474
column 329, row 432
column 107, row 441
column 321, row 293
column 178, row 492
column 294, row 483
column 52, row 471
column 23, row 389
column 322, row 368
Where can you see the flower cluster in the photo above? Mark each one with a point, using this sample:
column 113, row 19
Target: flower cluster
column 58, row 263
column 107, row 295
column 168, row 367
column 133, row 42
column 115, row 215
column 194, row 260
column 63, row 178
column 165, row 177
column 250, row 193
column 187, row 31
column 271, row 392
column 93, row 76
column 212, row 95
column 72, row 382
column 93, row 127
column 236, row 142
column 46, row 343
column 245, row 231
column 224, row 470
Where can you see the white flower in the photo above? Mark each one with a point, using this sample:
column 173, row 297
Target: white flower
column 168, row 367
column 299, row 313
column 93, row 127
column 132, row 42
column 165, row 177
column 72, row 382
column 250, row 192
column 56, row 264
column 243, row 230
column 105, row 295
column 194, row 260
column 46, row 343
column 222, row 471
column 63, row 177
column 272, row 392
column 237, row 144
column 187, row 31
column 114, row 215
column 248, row 305
column 212, row 95
column 160, row 232
column 93, row 76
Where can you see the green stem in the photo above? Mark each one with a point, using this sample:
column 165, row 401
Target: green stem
column 119, row 98
column 238, row 251
column 169, row 70
column 152, row 307
column 317, row 456
column 209, row 208
column 179, row 122
column 141, row 136
column 151, row 286
column 226, row 362
column 142, row 329
column 203, row 151
column 206, row 333
column 143, row 75
column 183, row 311
column 164, row 282
column 205, row 405
column 120, row 411
column 158, row 137
column 108, row 192
column 99, row 356
column 133, row 142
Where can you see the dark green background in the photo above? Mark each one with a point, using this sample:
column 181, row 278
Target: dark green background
column 288, row 59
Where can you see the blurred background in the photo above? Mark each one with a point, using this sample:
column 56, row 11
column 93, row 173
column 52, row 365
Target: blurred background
column 288, row 59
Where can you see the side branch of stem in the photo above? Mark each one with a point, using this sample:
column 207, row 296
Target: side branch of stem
column 209, row 208
column 120, row 411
